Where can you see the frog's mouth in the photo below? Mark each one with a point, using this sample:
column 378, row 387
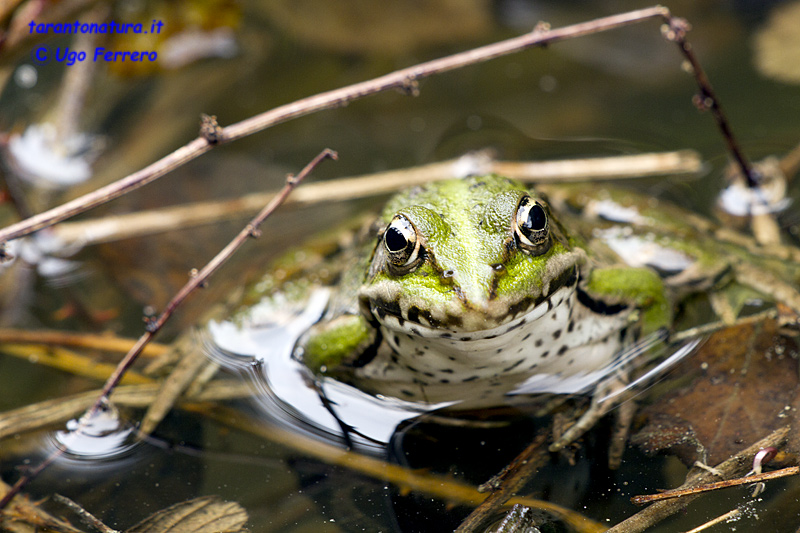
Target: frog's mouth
column 459, row 316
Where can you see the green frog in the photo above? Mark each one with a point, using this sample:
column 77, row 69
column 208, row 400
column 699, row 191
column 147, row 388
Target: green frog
column 469, row 292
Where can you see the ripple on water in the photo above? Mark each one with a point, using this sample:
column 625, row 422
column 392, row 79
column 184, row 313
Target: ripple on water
column 259, row 346
column 95, row 440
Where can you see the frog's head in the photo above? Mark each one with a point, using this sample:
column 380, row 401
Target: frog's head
column 466, row 255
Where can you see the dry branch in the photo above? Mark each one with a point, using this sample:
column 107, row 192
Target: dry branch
column 197, row 280
column 404, row 79
column 509, row 481
column 734, row 467
column 443, row 487
column 680, row 493
column 107, row 343
column 142, row 223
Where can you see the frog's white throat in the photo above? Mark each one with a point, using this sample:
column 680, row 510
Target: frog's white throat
column 560, row 338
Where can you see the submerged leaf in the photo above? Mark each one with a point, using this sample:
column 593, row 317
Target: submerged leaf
column 670, row 435
column 745, row 380
column 24, row 516
column 207, row 514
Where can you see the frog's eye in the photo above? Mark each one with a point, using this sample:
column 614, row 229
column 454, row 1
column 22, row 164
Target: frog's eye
column 531, row 226
column 401, row 243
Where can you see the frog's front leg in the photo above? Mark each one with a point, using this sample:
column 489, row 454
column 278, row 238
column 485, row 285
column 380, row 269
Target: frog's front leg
column 643, row 290
column 335, row 344
column 617, row 390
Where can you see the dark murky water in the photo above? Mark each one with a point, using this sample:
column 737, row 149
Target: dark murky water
column 615, row 93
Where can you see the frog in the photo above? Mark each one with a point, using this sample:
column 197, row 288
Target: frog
column 469, row 292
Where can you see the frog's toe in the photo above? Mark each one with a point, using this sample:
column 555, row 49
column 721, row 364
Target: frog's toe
column 608, row 395
column 587, row 420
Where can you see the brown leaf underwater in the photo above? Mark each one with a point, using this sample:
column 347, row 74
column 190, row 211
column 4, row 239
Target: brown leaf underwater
column 743, row 384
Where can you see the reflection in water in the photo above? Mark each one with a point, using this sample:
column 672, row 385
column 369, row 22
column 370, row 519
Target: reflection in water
column 103, row 439
column 261, row 347
column 108, row 468
column 102, row 436
column 261, row 343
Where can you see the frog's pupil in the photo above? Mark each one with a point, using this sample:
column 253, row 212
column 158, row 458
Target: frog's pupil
column 537, row 220
column 395, row 240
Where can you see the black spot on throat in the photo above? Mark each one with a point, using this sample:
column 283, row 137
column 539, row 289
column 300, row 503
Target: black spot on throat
column 515, row 365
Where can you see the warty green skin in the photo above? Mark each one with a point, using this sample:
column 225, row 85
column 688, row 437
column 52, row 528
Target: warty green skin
column 474, row 273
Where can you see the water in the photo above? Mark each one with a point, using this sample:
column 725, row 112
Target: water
column 620, row 92
column 95, row 437
column 262, row 351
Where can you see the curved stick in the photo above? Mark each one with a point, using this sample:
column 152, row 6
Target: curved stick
column 404, row 79
column 198, row 279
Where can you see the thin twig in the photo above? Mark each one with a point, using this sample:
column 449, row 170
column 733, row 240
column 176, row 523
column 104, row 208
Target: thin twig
column 198, row 279
column 87, row 517
column 680, row 493
column 141, row 223
column 730, row 515
column 707, row 99
column 731, row 468
column 106, row 343
column 443, row 487
column 706, row 329
column 508, row 482
column 404, row 79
